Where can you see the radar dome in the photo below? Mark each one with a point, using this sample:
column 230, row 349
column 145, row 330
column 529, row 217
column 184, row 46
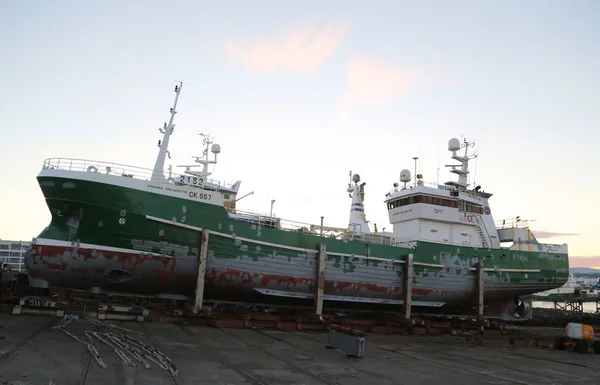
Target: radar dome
column 355, row 178
column 215, row 148
column 453, row 144
column 405, row 176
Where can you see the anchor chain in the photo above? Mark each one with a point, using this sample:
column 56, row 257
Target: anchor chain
column 89, row 344
column 130, row 350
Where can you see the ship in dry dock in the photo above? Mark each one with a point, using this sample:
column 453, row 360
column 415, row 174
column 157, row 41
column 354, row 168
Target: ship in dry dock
column 134, row 231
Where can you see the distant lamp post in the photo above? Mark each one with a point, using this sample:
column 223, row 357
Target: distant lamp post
column 272, row 201
column 415, row 158
column 322, row 225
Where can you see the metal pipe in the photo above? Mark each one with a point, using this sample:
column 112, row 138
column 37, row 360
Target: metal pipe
column 322, row 225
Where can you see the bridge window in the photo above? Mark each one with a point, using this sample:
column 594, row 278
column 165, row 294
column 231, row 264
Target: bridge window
column 422, row 199
column 464, row 206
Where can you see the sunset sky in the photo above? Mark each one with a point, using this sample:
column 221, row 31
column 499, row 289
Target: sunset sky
column 298, row 94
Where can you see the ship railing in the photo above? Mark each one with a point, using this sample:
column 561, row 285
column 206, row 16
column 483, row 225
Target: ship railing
column 380, row 239
column 328, row 232
column 554, row 246
column 263, row 218
column 411, row 185
column 116, row 169
column 512, row 223
column 250, row 214
column 370, row 238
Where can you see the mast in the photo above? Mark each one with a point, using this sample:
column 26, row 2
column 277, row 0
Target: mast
column 454, row 145
column 358, row 222
column 207, row 141
column 163, row 145
column 203, row 175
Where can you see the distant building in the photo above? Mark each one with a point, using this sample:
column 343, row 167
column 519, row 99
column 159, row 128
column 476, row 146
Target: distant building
column 12, row 254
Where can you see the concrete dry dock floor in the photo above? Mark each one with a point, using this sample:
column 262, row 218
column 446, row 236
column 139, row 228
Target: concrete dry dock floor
column 31, row 352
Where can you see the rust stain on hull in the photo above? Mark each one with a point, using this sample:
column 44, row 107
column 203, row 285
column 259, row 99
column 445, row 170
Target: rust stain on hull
column 151, row 275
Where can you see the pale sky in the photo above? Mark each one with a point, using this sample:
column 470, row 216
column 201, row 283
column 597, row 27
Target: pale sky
column 299, row 93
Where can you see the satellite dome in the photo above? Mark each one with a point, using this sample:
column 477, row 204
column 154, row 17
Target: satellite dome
column 453, row 144
column 355, row 178
column 405, row 175
column 215, row 148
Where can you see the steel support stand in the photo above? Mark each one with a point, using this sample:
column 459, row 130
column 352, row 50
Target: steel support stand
column 320, row 278
column 201, row 272
column 408, row 284
column 480, row 276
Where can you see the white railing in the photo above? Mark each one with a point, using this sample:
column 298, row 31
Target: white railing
column 512, row 223
column 283, row 224
column 328, row 232
column 116, row 169
column 380, row 239
column 411, row 186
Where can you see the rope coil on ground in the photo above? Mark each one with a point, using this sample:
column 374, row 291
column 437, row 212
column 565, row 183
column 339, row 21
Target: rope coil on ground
column 130, row 350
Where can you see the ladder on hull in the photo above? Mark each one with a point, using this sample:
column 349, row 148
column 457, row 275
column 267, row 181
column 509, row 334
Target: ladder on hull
column 482, row 236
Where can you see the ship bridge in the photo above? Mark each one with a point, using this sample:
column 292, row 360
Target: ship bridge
column 450, row 213
column 437, row 213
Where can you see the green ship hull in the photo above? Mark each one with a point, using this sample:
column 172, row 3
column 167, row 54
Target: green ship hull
column 107, row 237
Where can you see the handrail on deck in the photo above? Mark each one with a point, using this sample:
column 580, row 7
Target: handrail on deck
column 411, row 185
column 284, row 224
column 110, row 168
column 512, row 223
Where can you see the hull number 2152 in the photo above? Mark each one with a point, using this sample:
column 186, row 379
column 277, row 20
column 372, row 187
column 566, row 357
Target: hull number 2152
column 191, row 180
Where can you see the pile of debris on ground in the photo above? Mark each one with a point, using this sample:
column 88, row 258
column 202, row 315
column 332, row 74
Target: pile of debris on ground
column 555, row 317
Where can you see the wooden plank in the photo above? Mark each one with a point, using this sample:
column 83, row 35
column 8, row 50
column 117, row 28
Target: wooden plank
column 408, row 284
column 320, row 278
column 201, row 272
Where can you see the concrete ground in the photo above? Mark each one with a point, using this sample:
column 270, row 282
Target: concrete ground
column 31, row 352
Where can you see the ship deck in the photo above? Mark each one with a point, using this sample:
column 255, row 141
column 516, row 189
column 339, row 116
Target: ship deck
column 31, row 352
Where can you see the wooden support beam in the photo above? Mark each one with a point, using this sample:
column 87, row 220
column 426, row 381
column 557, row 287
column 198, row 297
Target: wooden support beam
column 201, row 272
column 480, row 276
column 407, row 284
column 320, row 278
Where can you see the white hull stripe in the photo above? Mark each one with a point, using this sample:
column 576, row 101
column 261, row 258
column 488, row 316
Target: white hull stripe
column 509, row 270
column 168, row 222
column 70, row 245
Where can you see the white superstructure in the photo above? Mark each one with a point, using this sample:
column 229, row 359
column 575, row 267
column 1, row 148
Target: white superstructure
column 452, row 213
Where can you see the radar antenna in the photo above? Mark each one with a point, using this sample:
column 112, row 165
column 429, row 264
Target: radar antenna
column 215, row 149
column 405, row 177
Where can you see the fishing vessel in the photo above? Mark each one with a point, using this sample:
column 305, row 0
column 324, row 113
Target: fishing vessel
column 126, row 230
